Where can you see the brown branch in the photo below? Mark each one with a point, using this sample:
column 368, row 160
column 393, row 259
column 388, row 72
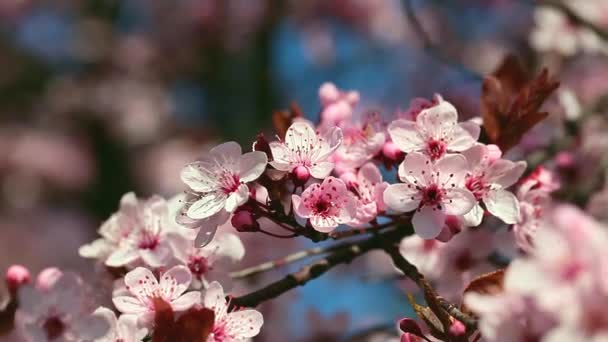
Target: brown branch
column 575, row 17
column 316, row 269
column 412, row 272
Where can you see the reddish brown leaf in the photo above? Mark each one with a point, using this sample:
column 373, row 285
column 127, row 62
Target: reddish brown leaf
column 163, row 321
column 282, row 119
column 488, row 284
column 262, row 145
column 194, row 326
column 510, row 102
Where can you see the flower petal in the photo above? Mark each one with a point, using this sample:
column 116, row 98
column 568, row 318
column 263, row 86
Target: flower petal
column 252, row 165
column 438, row 120
column 244, row 324
column 122, row 256
column 404, row 134
column 186, row 301
column 198, row 178
column 460, row 139
column 452, row 169
column 214, row 298
column 300, row 208
column 458, row 201
column 416, row 168
column 321, row 170
column 474, row 217
column 503, row 205
column 428, row 222
column 129, row 305
column 237, row 198
column 207, row 205
column 227, row 151
column 175, row 281
column 402, row 197
column 141, row 282
column 505, row 172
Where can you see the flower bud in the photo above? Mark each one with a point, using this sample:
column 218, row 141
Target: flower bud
column 392, row 153
column 457, row 328
column 243, row 220
column 452, row 227
column 300, row 175
column 17, row 275
column 565, row 160
column 493, row 152
column 47, row 278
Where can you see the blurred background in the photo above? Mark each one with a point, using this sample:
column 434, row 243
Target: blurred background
column 102, row 97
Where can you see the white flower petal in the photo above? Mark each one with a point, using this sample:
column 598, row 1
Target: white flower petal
column 503, row 205
column 207, row 205
column 452, row 169
column 122, row 256
column 227, row 151
column 402, row 197
column 175, row 281
column 416, row 168
column 428, row 222
column 198, row 178
column 186, row 301
column 438, row 120
column 458, row 201
column 214, row 299
column 299, row 208
column 321, row 170
column 474, row 217
column 252, row 165
column 244, row 324
column 141, row 280
column 129, row 305
column 505, row 172
column 404, row 134
column 237, row 198
column 460, row 139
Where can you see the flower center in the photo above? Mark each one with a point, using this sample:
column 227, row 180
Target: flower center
column 229, row 182
column 322, row 206
column 53, row 327
column 435, row 148
column 477, row 186
column 219, row 333
column 432, row 195
column 148, row 240
column 198, row 265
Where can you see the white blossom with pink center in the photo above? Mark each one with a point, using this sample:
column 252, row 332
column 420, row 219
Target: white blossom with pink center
column 122, row 329
column 336, row 106
column 141, row 232
column 234, row 326
column 360, row 143
column 144, row 289
column 488, row 179
column 305, row 151
column 60, row 312
column 213, row 261
column 435, row 132
column 368, row 187
column 565, row 269
column 433, row 190
column 218, row 187
column 326, row 205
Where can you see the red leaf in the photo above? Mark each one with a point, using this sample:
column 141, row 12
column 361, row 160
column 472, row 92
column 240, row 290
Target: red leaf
column 163, row 321
column 281, row 120
column 489, row 284
column 194, row 326
column 510, row 102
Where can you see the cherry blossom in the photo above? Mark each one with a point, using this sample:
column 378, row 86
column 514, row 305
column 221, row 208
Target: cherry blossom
column 337, row 106
column 326, row 205
column 212, row 261
column 432, row 190
column 305, row 151
column 417, row 105
column 361, row 142
column 122, row 329
column 487, row 179
column 142, row 231
column 218, row 187
column 58, row 313
column 368, row 187
column 144, row 289
column 435, row 132
column 233, row 326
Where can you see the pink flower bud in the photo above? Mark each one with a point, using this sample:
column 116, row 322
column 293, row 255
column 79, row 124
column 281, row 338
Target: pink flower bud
column 493, row 152
column 565, row 160
column 47, row 278
column 452, row 226
column 457, row 329
column 17, row 275
column 391, row 152
column 300, row 175
column 243, row 220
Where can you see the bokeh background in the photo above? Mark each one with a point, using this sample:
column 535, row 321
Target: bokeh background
column 102, row 97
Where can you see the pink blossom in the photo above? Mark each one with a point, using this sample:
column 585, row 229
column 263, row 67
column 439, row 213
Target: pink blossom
column 58, row 313
column 234, row 326
column 303, row 147
column 336, row 106
column 368, row 188
column 144, row 288
column 122, row 329
column 142, row 231
column 487, row 179
column 432, row 190
column 435, row 132
column 361, row 142
column 218, row 187
column 17, row 276
column 417, row 105
column 326, row 205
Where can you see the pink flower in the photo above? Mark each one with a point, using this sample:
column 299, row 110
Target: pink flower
column 417, row 105
column 144, row 288
column 488, row 178
column 232, row 326
column 368, row 187
column 142, row 231
column 337, row 106
column 435, row 132
column 433, row 190
column 58, row 313
column 326, row 205
column 361, row 142
column 122, row 329
column 218, row 186
column 304, row 148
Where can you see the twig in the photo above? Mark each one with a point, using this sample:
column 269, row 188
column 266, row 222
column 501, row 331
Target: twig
column 412, row 272
column 575, row 17
column 269, row 265
column 359, row 231
column 430, row 47
column 316, row 269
